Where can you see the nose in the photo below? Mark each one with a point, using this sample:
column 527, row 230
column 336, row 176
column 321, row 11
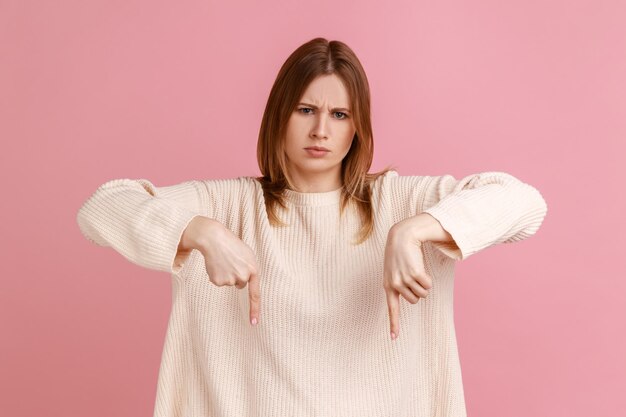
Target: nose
column 321, row 127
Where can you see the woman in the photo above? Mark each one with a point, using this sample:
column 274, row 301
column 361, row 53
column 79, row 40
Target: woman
column 325, row 249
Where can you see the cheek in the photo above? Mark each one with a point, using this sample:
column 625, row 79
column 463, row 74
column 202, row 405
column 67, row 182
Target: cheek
column 291, row 133
column 349, row 136
column 295, row 130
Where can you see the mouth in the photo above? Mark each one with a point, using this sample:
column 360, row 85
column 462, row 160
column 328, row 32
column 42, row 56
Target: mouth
column 318, row 148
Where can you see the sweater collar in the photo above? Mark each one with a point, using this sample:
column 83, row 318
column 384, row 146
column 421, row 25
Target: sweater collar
column 313, row 199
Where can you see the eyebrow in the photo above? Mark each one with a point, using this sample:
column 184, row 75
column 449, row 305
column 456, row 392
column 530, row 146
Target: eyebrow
column 334, row 110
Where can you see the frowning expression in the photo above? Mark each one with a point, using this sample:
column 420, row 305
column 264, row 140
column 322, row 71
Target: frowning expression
column 322, row 118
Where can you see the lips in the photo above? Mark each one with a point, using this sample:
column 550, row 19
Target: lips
column 318, row 148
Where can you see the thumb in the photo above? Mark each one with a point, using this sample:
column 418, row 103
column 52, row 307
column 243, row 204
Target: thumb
column 254, row 293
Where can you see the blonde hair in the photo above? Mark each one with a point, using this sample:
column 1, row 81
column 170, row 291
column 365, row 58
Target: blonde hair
column 315, row 58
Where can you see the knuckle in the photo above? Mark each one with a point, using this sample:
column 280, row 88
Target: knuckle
column 397, row 282
column 407, row 279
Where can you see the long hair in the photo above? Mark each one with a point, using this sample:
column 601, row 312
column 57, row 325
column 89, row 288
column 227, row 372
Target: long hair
column 315, row 58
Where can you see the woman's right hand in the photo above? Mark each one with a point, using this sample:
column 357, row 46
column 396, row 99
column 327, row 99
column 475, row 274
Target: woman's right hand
column 228, row 260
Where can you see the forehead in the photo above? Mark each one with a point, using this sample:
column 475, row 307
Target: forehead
column 327, row 90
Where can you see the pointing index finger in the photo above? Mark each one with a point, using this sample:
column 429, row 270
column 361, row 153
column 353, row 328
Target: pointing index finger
column 393, row 305
column 254, row 293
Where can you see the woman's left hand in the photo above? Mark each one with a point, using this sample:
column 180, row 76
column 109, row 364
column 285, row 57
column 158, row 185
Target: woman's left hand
column 404, row 271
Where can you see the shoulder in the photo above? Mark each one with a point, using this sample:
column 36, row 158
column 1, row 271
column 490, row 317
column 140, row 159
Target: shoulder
column 404, row 195
column 226, row 192
column 380, row 181
column 229, row 186
column 402, row 187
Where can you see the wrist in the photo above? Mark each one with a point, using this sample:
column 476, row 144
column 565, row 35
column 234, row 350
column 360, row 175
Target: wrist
column 422, row 228
column 195, row 235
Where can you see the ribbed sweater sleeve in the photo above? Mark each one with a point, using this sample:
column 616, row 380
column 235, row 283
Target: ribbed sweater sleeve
column 481, row 210
column 142, row 222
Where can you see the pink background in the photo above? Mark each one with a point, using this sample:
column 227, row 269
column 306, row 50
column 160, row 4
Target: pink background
column 171, row 91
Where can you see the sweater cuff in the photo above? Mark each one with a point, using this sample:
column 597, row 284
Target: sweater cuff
column 161, row 249
column 177, row 263
column 461, row 248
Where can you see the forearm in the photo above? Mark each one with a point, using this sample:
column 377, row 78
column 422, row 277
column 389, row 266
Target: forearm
column 139, row 220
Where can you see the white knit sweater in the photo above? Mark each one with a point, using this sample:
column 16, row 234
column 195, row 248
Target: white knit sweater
column 322, row 346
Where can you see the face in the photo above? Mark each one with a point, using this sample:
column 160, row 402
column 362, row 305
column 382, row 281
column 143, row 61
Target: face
column 322, row 118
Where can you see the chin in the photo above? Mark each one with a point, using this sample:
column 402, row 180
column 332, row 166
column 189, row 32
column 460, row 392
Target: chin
column 315, row 166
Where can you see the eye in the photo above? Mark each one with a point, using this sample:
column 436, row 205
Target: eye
column 304, row 111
